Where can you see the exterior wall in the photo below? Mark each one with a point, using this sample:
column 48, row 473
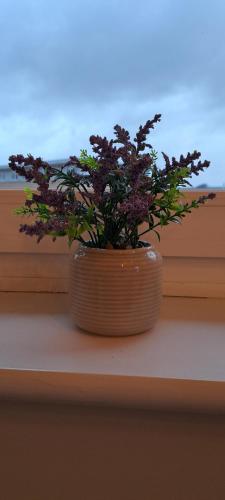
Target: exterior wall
column 64, row 452
column 194, row 252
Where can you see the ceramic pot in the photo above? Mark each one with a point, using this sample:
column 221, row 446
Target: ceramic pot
column 115, row 292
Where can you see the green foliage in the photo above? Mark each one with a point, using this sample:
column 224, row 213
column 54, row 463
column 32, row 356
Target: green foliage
column 29, row 193
column 76, row 227
column 104, row 199
column 23, row 211
column 43, row 211
column 88, row 160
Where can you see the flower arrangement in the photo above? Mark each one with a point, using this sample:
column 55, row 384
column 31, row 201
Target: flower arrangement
column 103, row 200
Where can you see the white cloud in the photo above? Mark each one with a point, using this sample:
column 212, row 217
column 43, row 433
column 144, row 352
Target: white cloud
column 69, row 70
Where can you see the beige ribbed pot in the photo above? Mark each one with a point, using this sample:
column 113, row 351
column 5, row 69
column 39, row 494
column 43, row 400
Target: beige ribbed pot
column 115, row 292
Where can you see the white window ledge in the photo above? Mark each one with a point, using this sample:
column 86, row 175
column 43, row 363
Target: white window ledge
column 178, row 365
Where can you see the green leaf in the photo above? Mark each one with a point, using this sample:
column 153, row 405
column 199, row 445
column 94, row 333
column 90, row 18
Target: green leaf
column 24, row 211
column 85, row 226
column 43, row 211
column 19, row 211
column 29, row 193
column 90, row 214
column 88, row 160
column 100, row 229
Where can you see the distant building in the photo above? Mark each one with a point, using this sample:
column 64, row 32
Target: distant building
column 7, row 175
column 202, row 186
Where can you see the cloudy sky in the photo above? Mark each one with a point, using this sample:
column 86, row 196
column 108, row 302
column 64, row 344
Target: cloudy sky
column 73, row 68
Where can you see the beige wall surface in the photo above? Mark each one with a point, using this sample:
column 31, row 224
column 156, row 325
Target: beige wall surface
column 194, row 252
column 53, row 452
column 201, row 234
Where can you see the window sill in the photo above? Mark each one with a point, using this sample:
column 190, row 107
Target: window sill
column 179, row 365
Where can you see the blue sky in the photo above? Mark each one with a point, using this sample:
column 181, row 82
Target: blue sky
column 72, row 69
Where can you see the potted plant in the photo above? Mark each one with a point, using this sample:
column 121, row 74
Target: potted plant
column 107, row 202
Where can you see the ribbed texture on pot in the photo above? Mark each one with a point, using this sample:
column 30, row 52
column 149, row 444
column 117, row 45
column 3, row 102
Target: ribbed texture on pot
column 115, row 292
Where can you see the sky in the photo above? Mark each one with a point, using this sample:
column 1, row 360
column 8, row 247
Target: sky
column 78, row 67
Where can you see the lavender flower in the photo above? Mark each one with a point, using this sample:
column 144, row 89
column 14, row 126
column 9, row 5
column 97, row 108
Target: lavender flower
column 40, row 229
column 136, row 207
column 32, row 169
column 107, row 196
column 144, row 131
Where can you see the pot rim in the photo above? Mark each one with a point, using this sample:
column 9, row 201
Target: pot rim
column 119, row 251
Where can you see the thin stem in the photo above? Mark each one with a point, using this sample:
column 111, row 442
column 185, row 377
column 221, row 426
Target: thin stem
column 129, row 237
column 98, row 235
column 84, row 198
column 146, row 231
column 158, row 224
column 85, row 189
column 93, row 239
column 81, row 240
column 149, row 229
